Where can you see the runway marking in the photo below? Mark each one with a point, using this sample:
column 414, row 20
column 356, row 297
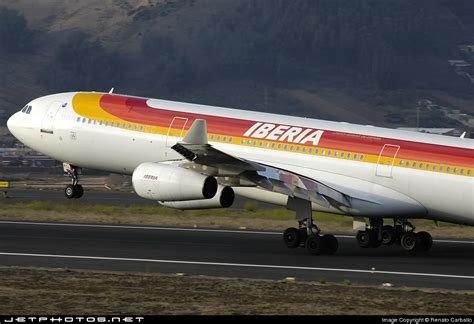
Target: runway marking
column 178, row 229
column 242, row 265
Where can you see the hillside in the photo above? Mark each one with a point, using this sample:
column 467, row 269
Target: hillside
column 360, row 61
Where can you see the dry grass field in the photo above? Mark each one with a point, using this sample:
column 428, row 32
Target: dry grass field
column 59, row 291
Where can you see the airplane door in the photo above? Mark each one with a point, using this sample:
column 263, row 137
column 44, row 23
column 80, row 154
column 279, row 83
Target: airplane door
column 175, row 131
column 386, row 160
column 47, row 125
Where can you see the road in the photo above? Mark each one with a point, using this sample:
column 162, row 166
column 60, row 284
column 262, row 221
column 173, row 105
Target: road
column 242, row 254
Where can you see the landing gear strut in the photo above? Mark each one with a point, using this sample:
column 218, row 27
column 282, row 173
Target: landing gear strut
column 307, row 234
column 74, row 190
column 402, row 233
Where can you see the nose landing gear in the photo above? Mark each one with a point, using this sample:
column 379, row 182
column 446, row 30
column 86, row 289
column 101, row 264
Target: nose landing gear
column 74, row 190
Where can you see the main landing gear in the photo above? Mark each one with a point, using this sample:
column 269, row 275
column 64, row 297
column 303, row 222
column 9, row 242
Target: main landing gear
column 402, row 233
column 74, row 190
column 307, row 234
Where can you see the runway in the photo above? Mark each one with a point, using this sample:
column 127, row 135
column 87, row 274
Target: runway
column 241, row 254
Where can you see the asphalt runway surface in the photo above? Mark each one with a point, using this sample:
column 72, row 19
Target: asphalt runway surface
column 237, row 254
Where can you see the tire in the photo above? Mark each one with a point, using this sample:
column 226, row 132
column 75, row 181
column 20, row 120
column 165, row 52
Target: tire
column 363, row 238
column 79, row 191
column 409, row 241
column 314, row 244
column 374, row 238
column 425, row 241
column 388, row 235
column 330, row 244
column 292, row 237
column 70, row 191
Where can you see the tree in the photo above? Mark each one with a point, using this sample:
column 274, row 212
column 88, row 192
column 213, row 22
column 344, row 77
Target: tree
column 15, row 36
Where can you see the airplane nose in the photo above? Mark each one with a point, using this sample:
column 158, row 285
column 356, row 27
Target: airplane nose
column 12, row 123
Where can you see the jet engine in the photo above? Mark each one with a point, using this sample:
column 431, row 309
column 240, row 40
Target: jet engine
column 224, row 198
column 171, row 183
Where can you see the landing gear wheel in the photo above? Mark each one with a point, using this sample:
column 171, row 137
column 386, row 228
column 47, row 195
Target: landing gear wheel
column 388, row 235
column 409, row 241
column 363, row 238
column 330, row 244
column 374, row 238
column 292, row 237
column 314, row 244
column 70, row 191
column 79, row 191
column 425, row 241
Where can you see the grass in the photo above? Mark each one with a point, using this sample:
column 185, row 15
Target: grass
column 59, row 291
column 250, row 217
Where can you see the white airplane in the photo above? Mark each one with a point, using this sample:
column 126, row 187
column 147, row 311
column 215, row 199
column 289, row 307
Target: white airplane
column 189, row 156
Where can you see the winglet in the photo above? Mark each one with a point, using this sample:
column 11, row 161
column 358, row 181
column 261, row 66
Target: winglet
column 197, row 134
column 463, row 135
column 111, row 90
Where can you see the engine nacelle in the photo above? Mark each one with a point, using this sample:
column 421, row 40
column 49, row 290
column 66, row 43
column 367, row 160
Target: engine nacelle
column 171, row 183
column 224, row 198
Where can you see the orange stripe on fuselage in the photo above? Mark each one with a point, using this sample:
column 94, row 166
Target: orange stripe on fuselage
column 136, row 110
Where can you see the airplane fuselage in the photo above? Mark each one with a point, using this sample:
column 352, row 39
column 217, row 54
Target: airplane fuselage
column 401, row 174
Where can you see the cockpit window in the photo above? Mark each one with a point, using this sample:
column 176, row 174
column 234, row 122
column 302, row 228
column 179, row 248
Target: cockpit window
column 27, row 109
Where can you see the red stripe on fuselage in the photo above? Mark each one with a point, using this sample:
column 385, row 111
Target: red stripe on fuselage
column 136, row 110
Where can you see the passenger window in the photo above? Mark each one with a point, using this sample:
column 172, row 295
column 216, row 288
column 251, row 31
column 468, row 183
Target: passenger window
column 421, row 165
column 83, row 120
column 310, row 151
column 23, row 110
column 414, row 164
column 468, row 172
column 355, row 156
column 78, row 119
column 361, row 157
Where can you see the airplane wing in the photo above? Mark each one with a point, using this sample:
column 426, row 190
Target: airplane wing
column 195, row 148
